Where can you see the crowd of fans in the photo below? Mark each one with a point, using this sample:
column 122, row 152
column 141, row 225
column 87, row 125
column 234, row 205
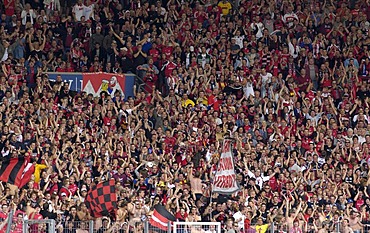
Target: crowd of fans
column 287, row 80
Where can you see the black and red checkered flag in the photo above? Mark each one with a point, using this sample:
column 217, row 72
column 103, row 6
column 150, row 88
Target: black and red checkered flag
column 101, row 200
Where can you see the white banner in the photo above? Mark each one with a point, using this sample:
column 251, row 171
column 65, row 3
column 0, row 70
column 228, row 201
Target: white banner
column 224, row 181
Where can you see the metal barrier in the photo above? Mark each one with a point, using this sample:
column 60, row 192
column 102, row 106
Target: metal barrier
column 75, row 226
column 50, row 226
column 366, row 228
column 152, row 229
column 278, row 227
column 196, row 227
column 281, row 228
column 39, row 226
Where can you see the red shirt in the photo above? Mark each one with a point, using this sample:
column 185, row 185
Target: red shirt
column 9, row 7
column 167, row 50
column 273, row 183
column 214, row 102
column 107, row 120
column 35, row 227
column 201, row 16
column 306, row 143
column 72, row 188
column 54, row 188
column 18, row 228
column 169, row 68
column 3, row 215
column 64, row 190
column 180, row 217
column 59, row 69
column 154, row 53
column 247, row 224
column 170, row 143
column 359, row 203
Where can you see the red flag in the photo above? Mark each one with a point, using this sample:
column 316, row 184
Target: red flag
column 12, row 169
column 161, row 217
column 27, row 174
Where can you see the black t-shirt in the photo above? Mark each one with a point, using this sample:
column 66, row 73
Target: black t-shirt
column 139, row 60
column 46, row 214
column 328, row 150
column 37, row 53
column 363, row 94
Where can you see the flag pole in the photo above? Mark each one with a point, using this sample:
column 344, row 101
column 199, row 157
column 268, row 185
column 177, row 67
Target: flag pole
column 210, row 201
column 213, row 180
column 10, row 220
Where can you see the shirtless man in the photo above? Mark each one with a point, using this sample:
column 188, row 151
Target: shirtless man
column 325, row 227
column 134, row 212
column 346, row 228
column 291, row 216
column 355, row 222
column 195, row 183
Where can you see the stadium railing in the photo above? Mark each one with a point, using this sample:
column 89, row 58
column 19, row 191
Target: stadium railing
column 51, row 226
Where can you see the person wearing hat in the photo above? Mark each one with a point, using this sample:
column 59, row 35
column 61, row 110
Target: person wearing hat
column 83, row 191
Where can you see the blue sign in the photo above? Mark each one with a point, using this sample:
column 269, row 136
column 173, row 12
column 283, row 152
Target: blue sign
column 75, row 81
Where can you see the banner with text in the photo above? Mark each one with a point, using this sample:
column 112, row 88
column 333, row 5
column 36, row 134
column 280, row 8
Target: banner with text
column 224, row 181
column 94, row 83
column 74, row 79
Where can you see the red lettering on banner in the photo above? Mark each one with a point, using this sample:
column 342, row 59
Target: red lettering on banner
column 225, row 181
column 225, row 178
column 225, row 164
column 227, row 145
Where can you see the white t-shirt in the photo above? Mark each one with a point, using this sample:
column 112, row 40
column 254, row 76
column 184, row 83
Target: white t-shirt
column 79, row 11
column 266, row 78
column 89, row 10
column 239, row 215
column 239, row 41
column 260, row 28
column 248, row 90
column 6, row 55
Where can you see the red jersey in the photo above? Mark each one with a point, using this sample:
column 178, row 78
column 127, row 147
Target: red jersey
column 169, row 68
column 9, row 7
column 154, row 53
column 167, row 50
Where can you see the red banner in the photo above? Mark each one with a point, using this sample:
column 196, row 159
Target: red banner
column 95, row 83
